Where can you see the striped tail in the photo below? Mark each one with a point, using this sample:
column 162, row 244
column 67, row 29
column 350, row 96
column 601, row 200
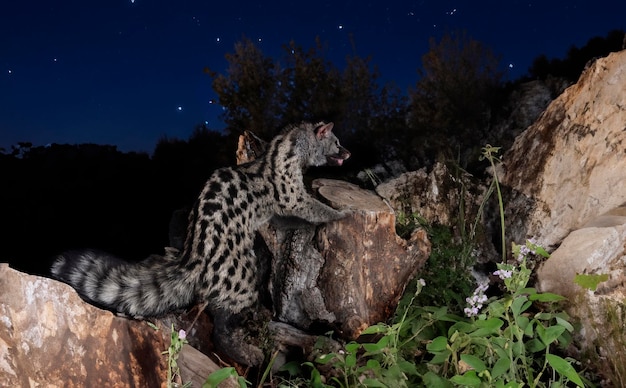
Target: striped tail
column 149, row 288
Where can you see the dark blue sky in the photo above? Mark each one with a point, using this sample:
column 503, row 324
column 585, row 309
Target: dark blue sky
column 128, row 72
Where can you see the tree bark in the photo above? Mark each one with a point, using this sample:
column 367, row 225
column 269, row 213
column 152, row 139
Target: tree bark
column 347, row 274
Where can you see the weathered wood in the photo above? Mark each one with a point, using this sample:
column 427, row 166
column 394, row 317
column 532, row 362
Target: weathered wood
column 367, row 265
column 347, row 274
column 195, row 367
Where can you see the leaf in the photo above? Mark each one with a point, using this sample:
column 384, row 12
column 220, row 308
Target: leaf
column 540, row 251
column 550, row 334
column 546, row 297
column 373, row 383
column 326, row 358
column 375, row 329
column 534, row 345
column 352, row 347
column 496, row 308
column 461, row 327
column 440, row 313
column 377, row 347
column 522, row 321
column 474, row 362
column 432, row 380
column 520, row 304
column 350, row 360
column 561, row 321
column 292, row 367
column 564, row 368
column 500, row 367
column 590, row 282
column 492, row 324
column 408, row 367
column 215, row 378
column 468, row 378
column 440, row 357
column 438, row 344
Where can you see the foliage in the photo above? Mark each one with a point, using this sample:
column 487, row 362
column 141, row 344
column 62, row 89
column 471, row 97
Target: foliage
column 590, row 282
column 509, row 344
column 223, row 374
column 447, row 270
column 576, row 59
column 262, row 94
column 451, row 104
column 250, row 90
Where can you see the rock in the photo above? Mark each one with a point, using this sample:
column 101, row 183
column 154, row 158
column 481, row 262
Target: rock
column 436, row 195
column 565, row 183
column 570, row 165
column 443, row 197
column 596, row 249
column 50, row 337
column 523, row 107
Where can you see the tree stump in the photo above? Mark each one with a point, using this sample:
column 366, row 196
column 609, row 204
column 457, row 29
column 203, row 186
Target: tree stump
column 347, row 274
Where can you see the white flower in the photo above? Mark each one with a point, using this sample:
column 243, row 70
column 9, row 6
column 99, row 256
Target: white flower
column 182, row 334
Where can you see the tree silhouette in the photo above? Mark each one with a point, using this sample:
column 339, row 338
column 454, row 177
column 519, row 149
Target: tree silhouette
column 263, row 95
column 249, row 91
column 312, row 85
column 572, row 66
column 451, row 104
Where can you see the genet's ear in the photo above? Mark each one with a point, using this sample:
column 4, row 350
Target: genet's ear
column 323, row 130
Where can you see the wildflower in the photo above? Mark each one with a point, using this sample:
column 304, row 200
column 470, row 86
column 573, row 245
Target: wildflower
column 503, row 274
column 477, row 300
column 182, row 334
column 422, row 282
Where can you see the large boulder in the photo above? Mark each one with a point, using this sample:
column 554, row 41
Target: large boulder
column 50, row 337
column 566, row 181
column 570, row 165
column 595, row 251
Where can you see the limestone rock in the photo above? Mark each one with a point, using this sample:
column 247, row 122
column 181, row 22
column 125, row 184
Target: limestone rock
column 50, row 337
column 570, row 165
column 435, row 195
column 596, row 249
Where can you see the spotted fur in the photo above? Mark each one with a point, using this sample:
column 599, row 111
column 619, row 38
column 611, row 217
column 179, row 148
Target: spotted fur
column 217, row 264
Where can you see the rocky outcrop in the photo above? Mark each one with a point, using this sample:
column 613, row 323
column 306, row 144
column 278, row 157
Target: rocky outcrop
column 49, row 337
column 441, row 196
column 596, row 251
column 570, row 165
column 566, row 182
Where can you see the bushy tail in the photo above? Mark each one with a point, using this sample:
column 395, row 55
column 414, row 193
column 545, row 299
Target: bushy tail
column 149, row 288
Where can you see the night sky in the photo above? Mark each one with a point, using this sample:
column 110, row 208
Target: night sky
column 128, row 72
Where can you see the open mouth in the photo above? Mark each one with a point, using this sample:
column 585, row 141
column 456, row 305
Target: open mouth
column 334, row 160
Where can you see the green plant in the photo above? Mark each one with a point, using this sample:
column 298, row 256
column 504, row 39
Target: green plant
column 178, row 340
column 384, row 362
column 489, row 152
column 507, row 344
column 220, row 375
